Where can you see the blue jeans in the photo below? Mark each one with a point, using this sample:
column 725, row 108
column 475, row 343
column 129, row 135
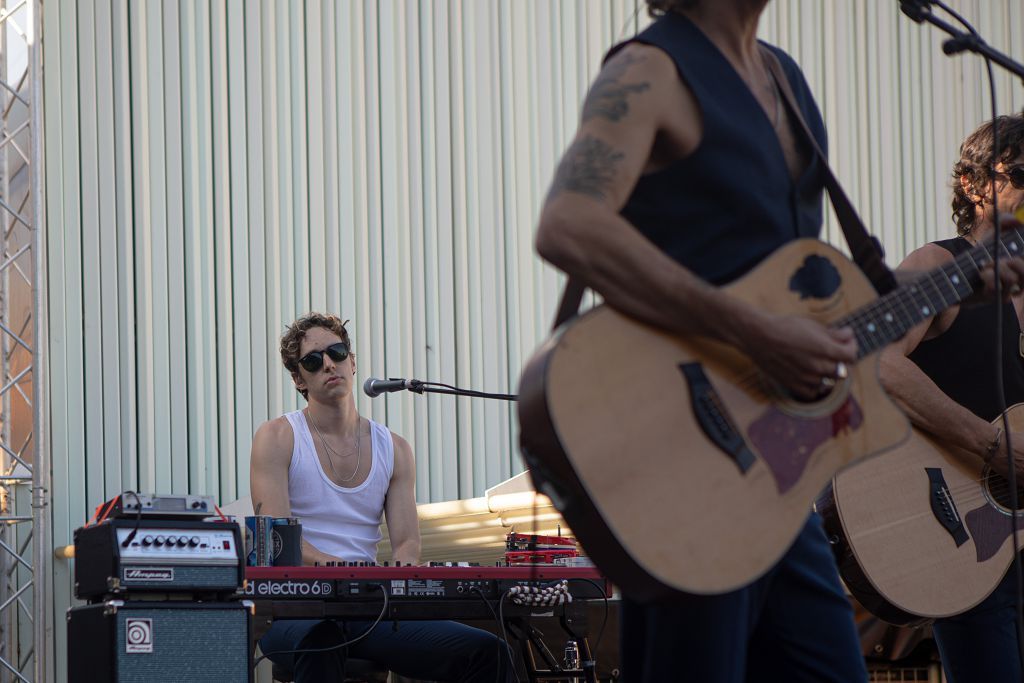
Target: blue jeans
column 431, row 650
column 793, row 624
column 980, row 645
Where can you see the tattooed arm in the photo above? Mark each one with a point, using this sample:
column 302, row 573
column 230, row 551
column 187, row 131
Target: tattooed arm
column 639, row 117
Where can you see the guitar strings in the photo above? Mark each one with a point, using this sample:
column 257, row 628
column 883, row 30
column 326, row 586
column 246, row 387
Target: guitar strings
column 996, row 490
column 879, row 313
column 964, row 495
column 965, row 502
column 866, row 528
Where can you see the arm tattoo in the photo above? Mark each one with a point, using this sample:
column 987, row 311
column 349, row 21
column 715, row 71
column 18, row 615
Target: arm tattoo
column 607, row 97
column 587, row 168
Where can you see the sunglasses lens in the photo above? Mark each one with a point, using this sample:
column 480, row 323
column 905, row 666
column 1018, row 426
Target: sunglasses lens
column 312, row 361
column 338, row 352
column 1016, row 175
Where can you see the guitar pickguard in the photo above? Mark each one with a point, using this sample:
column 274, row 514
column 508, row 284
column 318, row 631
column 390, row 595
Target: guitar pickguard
column 786, row 442
column 990, row 528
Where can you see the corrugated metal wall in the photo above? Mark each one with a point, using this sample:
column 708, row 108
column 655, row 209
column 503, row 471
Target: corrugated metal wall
column 896, row 107
column 215, row 169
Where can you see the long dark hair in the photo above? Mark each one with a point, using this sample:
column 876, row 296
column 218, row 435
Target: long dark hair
column 974, row 164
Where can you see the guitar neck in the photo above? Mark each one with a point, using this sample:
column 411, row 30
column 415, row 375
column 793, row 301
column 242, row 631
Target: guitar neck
column 888, row 318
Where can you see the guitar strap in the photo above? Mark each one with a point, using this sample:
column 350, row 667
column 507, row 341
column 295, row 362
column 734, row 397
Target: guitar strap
column 865, row 249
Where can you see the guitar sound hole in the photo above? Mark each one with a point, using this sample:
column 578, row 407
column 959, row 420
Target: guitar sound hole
column 999, row 489
column 825, row 403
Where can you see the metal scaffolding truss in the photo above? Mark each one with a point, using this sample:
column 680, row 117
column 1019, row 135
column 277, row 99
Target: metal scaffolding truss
column 26, row 622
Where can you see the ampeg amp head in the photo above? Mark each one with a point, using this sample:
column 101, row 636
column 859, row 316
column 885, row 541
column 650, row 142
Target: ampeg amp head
column 126, row 556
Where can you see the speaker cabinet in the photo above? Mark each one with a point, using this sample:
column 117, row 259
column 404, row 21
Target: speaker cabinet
column 160, row 641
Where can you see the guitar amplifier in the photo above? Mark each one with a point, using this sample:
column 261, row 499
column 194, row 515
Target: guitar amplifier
column 120, row 556
column 160, row 641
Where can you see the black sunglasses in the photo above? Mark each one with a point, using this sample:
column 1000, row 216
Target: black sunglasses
column 314, row 360
column 1015, row 176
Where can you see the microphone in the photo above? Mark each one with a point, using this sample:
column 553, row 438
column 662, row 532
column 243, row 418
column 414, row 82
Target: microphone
column 374, row 387
column 916, row 9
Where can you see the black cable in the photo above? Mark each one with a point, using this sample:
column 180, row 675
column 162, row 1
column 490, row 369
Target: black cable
column 138, row 519
column 604, row 622
column 1000, row 387
column 963, row 22
column 504, row 633
column 347, row 643
column 461, row 392
column 501, row 643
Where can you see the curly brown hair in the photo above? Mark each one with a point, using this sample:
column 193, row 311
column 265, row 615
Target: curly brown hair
column 975, row 153
column 657, row 8
column 291, row 341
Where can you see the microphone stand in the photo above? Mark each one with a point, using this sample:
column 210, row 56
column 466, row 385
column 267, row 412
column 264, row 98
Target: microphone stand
column 961, row 41
column 971, row 41
column 418, row 387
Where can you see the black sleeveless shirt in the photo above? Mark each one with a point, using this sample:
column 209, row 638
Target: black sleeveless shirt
column 732, row 202
column 959, row 360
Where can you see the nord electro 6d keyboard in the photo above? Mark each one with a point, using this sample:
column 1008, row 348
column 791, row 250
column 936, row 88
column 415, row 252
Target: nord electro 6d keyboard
column 414, row 583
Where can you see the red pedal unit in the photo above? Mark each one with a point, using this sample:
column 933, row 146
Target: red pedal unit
column 514, row 541
column 531, row 557
column 533, row 549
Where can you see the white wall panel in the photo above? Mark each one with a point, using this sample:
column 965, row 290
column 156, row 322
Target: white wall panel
column 216, row 169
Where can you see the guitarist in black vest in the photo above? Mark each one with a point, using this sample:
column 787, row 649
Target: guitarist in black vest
column 686, row 171
column 943, row 374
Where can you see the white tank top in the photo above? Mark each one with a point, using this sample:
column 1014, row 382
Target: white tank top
column 344, row 522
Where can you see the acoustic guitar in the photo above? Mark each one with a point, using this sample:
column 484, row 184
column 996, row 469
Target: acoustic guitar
column 677, row 463
column 920, row 532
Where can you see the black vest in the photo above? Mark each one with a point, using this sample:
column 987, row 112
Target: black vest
column 731, row 203
column 960, row 360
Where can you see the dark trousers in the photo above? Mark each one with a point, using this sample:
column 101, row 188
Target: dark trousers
column 980, row 645
column 430, row 650
column 793, row 624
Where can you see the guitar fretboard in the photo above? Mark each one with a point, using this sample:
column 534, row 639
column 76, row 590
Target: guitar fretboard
column 888, row 318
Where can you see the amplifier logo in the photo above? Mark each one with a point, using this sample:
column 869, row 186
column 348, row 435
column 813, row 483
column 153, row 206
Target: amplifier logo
column 267, row 588
column 138, row 635
column 148, row 574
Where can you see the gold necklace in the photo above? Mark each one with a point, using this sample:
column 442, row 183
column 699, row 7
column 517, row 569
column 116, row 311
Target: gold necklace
column 331, row 452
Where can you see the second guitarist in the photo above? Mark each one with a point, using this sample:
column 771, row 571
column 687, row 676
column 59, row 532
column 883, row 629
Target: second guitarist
column 943, row 374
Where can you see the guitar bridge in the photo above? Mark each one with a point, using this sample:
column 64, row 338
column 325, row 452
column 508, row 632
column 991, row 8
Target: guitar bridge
column 713, row 419
column 943, row 506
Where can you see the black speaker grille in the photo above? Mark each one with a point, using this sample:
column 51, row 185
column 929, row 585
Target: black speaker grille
column 196, row 645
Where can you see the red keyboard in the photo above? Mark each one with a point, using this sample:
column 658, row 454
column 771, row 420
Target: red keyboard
column 408, row 582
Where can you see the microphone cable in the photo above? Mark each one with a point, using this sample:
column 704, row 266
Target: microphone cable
column 1000, row 387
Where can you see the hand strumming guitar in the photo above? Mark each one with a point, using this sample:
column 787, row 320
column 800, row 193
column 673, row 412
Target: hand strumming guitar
column 801, row 354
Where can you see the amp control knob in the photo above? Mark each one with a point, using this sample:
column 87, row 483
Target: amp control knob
column 182, row 541
column 147, row 541
column 171, row 540
column 158, row 541
column 193, row 542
